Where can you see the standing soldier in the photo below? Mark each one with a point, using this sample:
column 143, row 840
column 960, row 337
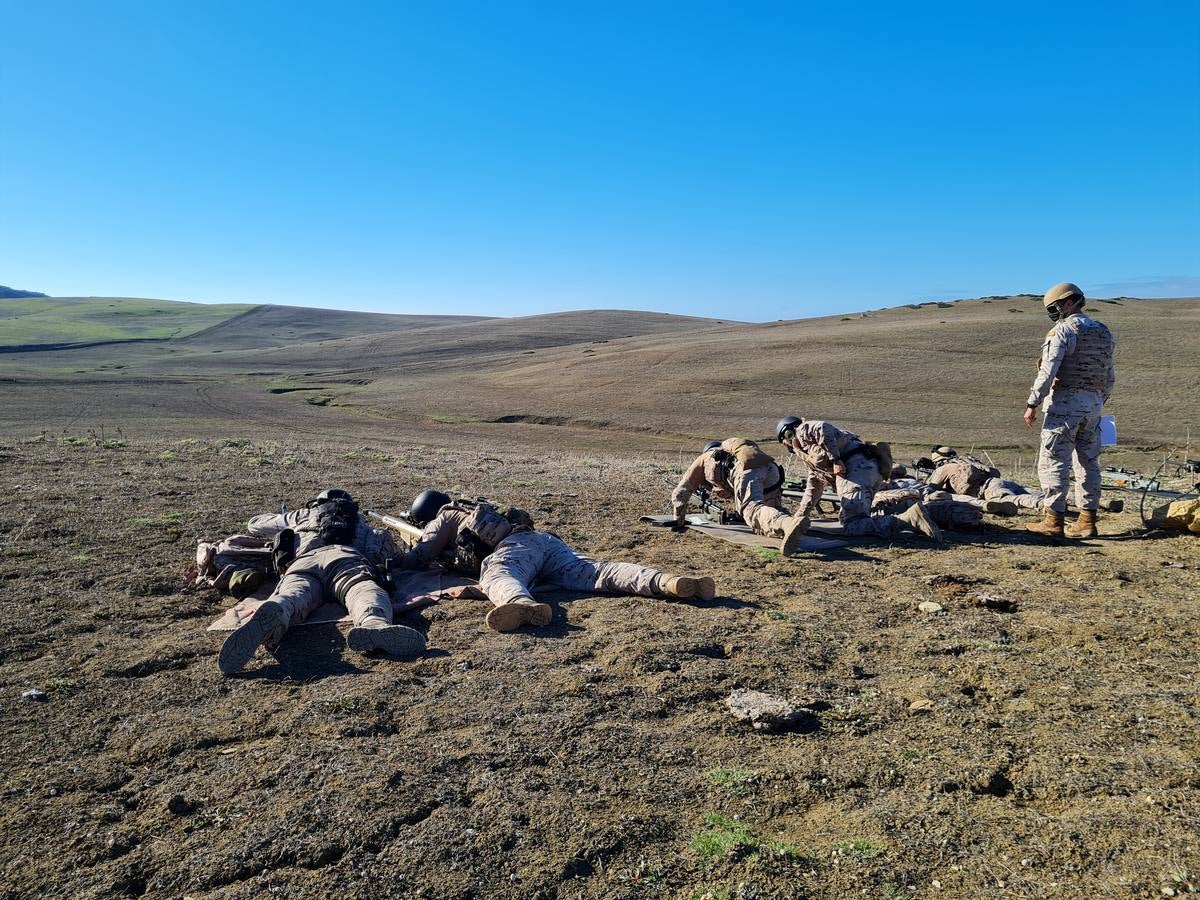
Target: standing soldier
column 1075, row 379
column 738, row 469
column 854, row 467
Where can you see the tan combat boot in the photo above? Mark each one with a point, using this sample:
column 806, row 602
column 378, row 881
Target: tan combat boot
column 793, row 534
column 1084, row 526
column 526, row 611
column 684, row 587
column 265, row 626
column 1000, row 507
column 375, row 633
column 917, row 518
column 1051, row 524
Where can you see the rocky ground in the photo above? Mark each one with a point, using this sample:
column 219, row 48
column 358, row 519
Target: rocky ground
column 1034, row 735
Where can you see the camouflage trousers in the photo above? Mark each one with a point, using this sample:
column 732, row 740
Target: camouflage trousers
column 856, row 494
column 528, row 557
column 337, row 574
column 1070, row 442
column 762, row 510
column 1004, row 489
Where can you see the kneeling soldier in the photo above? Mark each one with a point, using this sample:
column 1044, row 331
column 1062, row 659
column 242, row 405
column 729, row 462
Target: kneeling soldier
column 853, row 467
column 738, row 469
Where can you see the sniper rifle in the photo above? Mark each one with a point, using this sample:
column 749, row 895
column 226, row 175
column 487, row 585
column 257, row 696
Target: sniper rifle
column 703, row 500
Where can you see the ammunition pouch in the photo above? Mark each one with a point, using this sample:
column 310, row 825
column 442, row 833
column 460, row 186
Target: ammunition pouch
column 469, row 553
column 283, row 550
column 880, row 453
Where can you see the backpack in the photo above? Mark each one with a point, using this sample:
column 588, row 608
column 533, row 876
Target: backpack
column 337, row 520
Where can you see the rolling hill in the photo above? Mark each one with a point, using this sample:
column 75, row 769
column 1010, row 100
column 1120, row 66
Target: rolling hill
column 954, row 372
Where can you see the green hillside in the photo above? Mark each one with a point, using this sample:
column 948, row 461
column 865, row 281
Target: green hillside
column 81, row 320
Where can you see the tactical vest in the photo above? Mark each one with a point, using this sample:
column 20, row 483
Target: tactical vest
column 337, row 521
column 1087, row 368
column 977, row 471
column 748, row 453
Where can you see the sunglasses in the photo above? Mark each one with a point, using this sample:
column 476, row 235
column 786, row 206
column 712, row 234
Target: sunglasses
column 787, row 434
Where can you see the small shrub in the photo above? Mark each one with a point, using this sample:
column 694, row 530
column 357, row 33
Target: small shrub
column 734, row 781
column 860, row 848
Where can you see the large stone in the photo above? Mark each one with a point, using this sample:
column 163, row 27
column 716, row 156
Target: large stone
column 764, row 712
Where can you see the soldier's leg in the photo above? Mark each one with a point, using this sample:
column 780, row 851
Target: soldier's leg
column 1087, row 464
column 351, row 581
column 1054, row 460
column 856, row 493
column 762, row 517
column 297, row 594
column 506, row 576
column 1011, row 492
column 568, row 568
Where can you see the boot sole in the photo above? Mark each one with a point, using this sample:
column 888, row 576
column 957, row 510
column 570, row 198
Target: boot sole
column 926, row 525
column 791, row 541
column 1000, row 508
column 239, row 648
column 512, row 616
column 394, row 640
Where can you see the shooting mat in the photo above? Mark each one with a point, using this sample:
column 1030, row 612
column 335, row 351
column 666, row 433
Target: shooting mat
column 413, row 591
column 741, row 534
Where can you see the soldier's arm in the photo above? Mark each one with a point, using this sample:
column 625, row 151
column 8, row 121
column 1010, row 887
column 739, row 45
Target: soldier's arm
column 814, row 487
column 819, row 442
column 939, row 477
column 435, row 539
column 1110, row 379
column 270, row 524
column 692, row 480
column 1059, row 342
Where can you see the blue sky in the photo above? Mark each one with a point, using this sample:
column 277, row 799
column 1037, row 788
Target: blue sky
column 764, row 162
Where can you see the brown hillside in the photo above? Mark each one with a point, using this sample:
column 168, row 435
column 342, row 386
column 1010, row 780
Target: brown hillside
column 276, row 326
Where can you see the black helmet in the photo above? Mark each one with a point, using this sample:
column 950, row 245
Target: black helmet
column 784, row 424
column 426, row 505
column 711, row 445
column 331, row 494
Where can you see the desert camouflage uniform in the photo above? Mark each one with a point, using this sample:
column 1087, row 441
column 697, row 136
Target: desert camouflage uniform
column 524, row 558
column 947, row 510
column 339, row 572
column 756, row 489
column 1075, row 379
column 820, row 445
column 972, row 481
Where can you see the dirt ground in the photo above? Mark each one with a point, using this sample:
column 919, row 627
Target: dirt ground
column 1056, row 755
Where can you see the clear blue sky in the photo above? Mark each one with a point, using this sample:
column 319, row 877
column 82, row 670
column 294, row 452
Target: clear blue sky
column 768, row 161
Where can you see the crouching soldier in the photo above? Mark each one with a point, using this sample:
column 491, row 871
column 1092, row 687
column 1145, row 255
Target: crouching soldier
column 508, row 557
column 738, row 469
column 325, row 552
column 854, row 468
column 969, row 479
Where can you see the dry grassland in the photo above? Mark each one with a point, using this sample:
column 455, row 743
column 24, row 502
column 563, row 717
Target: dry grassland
column 1056, row 755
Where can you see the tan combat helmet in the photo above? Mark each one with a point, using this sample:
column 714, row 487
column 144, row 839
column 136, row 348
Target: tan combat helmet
column 1063, row 291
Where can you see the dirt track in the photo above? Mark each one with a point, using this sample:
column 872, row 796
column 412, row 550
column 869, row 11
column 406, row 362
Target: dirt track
column 594, row 757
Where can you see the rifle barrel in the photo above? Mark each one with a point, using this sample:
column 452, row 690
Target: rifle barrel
column 408, row 529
